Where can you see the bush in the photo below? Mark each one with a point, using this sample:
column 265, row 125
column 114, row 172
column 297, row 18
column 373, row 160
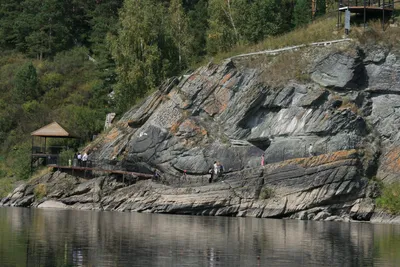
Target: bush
column 6, row 185
column 20, row 160
column 40, row 191
column 65, row 156
column 266, row 193
column 390, row 198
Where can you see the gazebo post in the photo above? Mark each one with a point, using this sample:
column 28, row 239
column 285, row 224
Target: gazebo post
column 45, row 152
column 365, row 12
column 31, row 157
column 338, row 14
column 383, row 15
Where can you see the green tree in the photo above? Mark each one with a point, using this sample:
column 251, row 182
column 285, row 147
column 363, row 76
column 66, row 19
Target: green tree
column 142, row 49
column 259, row 19
column 302, row 12
column 41, row 27
column 222, row 34
column 320, row 8
column 197, row 29
column 179, row 31
column 9, row 11
column 103, row 21
column 26, row 84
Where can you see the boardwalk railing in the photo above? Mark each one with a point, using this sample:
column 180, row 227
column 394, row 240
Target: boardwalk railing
column 90, row 166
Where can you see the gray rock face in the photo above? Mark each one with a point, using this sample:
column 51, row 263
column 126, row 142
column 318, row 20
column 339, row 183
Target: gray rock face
column 52, row 204
column 275, row 191
column 322, row 141
column 340, row 70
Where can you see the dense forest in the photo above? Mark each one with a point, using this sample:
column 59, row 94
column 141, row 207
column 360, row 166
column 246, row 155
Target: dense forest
column 73, row 61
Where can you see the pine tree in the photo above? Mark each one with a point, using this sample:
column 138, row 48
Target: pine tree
column 197, row 29
column 9, row 11
column 179, row 31
column 222, row 34
column 142, row 50
column 41, row 28
column 26, row 84
column 259, row 19
column 320, row 8
column 103, row 21
column 302, row 12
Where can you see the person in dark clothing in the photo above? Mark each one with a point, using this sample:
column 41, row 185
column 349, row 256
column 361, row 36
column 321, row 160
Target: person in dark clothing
column 211, row 172
column 156, row 175
column 221, row 170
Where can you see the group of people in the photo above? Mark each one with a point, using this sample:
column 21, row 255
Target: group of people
column 81, row 159
column 215, row 171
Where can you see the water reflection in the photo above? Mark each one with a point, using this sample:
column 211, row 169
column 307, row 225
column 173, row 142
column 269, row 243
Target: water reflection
column 35, row 237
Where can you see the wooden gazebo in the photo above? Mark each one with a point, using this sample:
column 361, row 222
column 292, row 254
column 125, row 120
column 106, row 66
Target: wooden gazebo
column 41, row 150
column 367, row 8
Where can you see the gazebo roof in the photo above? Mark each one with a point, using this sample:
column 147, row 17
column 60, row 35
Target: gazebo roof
column 53, row 130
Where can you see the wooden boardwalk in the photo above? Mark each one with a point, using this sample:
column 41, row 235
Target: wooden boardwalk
column 368, row 9
column 89, row 170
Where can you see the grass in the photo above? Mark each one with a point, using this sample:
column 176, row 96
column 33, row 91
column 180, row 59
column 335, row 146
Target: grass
column 323, row 29
column 285, row 67
column 348, row 104
column 40, row 191
column 40, row 173
column 390, row 198
column 374, row 35
column 6, row 186
column 266, row 193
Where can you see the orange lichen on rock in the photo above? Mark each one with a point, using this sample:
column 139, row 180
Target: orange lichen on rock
column 392, row 160
column 190, row 124
column 171, row 94
column 174, row 128
column 112, row 135
column 192, row 77
column 321, row 159
column 225, row 78
column 211, row 108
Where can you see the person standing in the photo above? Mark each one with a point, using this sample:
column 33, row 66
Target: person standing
column 220, row 169
column 84, row 159
column 262, row 160
column 79, row 157
column 216, row 168
column 311, row 150
column 211, row 172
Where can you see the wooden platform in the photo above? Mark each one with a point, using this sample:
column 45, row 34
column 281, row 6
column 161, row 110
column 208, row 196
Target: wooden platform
column 368, row 9
column 89, row 169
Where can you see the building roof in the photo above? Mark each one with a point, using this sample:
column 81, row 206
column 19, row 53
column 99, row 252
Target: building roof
column 53, row 130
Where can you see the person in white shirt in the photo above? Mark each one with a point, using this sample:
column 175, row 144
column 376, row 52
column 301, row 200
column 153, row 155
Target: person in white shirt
column 79, row 157
column 216, row 168
column 311, row 150
column 84, row 159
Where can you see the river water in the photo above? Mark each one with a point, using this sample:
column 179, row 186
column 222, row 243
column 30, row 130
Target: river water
column 38, row 237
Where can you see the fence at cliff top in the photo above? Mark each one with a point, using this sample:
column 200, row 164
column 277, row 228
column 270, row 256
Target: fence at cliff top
column 290, row 48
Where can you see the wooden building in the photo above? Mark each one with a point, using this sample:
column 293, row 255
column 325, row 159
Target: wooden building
column 367, row 8
column 40, row 148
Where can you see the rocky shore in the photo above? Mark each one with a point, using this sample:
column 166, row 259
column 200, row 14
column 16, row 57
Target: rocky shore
column 329, row 131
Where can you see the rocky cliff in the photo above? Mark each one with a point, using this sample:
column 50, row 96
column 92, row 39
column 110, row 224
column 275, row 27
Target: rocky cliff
column 326, row 119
